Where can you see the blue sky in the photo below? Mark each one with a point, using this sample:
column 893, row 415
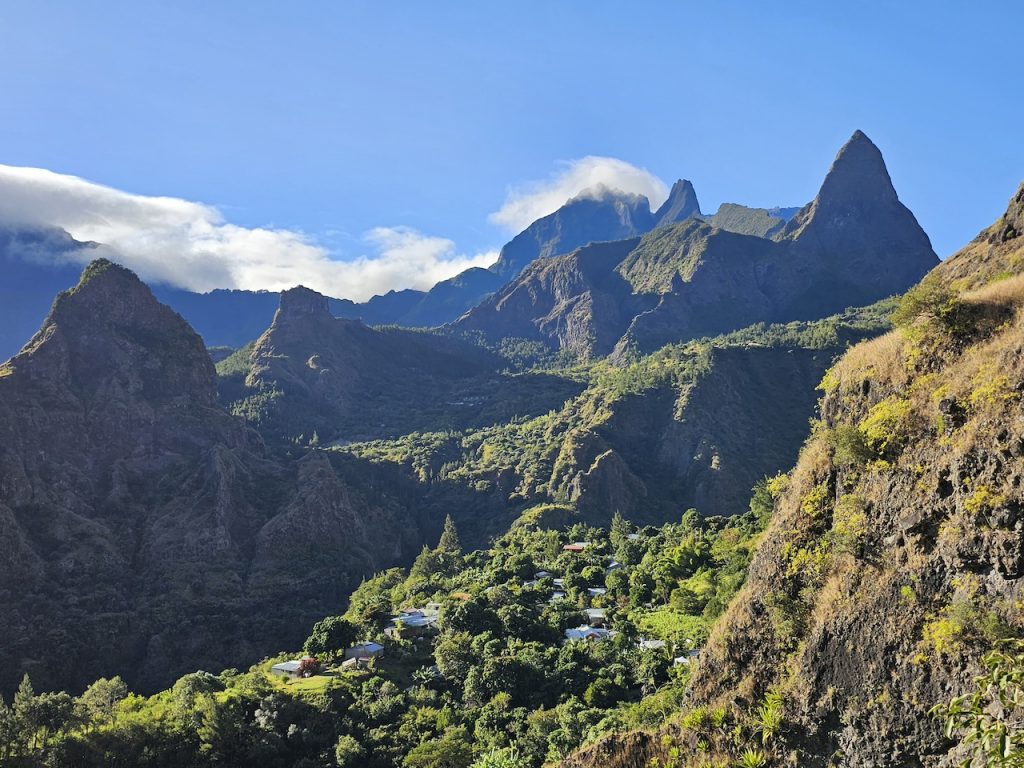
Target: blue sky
column 335, row 119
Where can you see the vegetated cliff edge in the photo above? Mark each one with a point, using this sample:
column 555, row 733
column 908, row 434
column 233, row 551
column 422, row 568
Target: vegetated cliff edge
column 894, row 559
column 144, row 531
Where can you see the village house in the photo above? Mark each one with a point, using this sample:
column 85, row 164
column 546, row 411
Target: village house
column 576, row 546
column 588, row 633
column 290, row 668
column 652, row 645
column 364, row 650
column 596, row 591
column 410, row 623
column 596, row 617
column 687, row 658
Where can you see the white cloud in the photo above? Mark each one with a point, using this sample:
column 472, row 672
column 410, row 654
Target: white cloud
column 190, row 245
column 526, row 203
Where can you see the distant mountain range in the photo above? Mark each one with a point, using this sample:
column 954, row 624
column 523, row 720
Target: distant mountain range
column 39, row 262
column 853, row 244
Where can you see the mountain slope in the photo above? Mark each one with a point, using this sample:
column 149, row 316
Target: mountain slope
column 895, row 557
column 145, row 530
column 311, row 372
column 759, row 222
column 691, row 426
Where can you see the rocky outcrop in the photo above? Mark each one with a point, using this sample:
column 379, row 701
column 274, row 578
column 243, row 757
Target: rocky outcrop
column 146, row 532
column 996, row 253
column 576, row 300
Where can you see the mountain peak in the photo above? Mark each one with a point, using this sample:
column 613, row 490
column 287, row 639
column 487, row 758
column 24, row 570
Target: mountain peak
column 107, row 293
column 680, row 205
column 857, row 173
column 302, row 302
column 110, row 331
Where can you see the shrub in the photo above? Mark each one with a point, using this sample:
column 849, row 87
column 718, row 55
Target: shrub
column 849, row 523
column 988, row 717
column 348, row 753
column 815, row 502
column 886, row 428
column 930, row 300
column 983, row 500
column 849, row 447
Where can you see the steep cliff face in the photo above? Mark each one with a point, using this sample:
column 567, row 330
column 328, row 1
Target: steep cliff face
column 145, row 531
column 853, row 245
column 681, row 204
column 895, row 557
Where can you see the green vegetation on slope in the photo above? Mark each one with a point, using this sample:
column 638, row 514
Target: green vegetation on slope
column 497, row 681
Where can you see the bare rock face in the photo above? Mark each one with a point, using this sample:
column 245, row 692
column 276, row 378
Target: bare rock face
column 141, row 524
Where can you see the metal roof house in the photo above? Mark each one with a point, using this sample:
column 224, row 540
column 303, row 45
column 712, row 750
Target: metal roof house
column 586, row 632
column 364, row 650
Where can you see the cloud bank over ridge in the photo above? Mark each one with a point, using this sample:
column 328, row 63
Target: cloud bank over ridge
column 190, row 245
column 528, row 202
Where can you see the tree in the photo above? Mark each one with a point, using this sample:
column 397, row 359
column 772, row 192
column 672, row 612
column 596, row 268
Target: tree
column 101, row 698
column 620, row 530
column 9, row 732
column 348, row 753
column 428, row 563
column 26, row 713
column 449, row 542
column 330, row 636
column 450, row 751
column 55, row 713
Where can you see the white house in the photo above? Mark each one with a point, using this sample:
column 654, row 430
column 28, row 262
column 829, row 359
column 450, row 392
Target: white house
column 652, row 645
column 596, row 591
column 411, row 623
column 596, row 617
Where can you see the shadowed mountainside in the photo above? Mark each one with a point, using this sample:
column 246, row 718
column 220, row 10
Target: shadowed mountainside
column 144, row 530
